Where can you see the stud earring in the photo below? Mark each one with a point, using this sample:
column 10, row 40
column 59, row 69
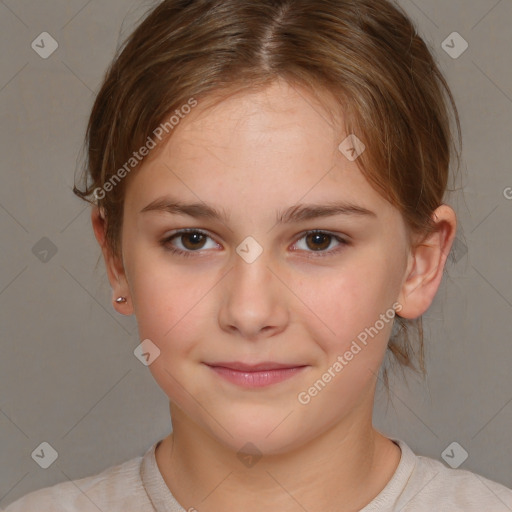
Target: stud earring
column 121, row 300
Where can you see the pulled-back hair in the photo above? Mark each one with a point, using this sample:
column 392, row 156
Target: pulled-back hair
column 366, row 53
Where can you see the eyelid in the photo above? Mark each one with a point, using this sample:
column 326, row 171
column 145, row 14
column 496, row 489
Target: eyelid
column 176, row 234
column 341, row 239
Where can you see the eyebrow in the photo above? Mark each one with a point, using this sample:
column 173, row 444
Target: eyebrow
column 297, row 213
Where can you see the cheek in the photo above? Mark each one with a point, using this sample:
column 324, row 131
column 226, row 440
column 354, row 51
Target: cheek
column 170, row 311
column 357, row 306
column 166, row 300
column 348, row 305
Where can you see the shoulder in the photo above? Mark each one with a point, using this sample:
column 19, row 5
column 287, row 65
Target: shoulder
column 434, row 486
column 115, row 488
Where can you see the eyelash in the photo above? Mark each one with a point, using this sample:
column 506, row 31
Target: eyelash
column 187, row 254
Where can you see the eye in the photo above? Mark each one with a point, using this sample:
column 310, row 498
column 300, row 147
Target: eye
column 319, row 241
column 191, row 240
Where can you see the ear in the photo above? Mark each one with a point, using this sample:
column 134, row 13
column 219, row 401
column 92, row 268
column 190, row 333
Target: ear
column 115, row 269
column 426, row 264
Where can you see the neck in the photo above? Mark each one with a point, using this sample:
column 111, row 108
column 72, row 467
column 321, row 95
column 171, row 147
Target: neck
column 343, row 468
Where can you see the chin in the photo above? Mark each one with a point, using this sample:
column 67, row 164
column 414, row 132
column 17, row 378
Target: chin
column 258, row 438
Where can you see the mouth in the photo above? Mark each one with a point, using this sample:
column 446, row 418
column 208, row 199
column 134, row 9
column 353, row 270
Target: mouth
column 255, row 375
column 263, row 366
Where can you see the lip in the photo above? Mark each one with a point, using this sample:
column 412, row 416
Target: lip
column 256, row 375
column 244, row 367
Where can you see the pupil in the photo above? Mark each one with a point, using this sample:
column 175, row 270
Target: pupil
column 196, row 238
column 318, row 237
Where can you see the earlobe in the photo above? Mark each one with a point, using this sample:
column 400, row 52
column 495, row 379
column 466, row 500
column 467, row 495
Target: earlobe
column 426, row 264
column 114, row 267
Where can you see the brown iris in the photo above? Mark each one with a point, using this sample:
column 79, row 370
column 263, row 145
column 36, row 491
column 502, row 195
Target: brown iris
column 195, row 238
column 317, row 238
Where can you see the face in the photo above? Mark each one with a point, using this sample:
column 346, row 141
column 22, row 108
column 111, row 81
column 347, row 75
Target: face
column 255, row 284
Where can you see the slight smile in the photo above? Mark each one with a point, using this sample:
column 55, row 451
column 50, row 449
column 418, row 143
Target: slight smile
column 255, row 375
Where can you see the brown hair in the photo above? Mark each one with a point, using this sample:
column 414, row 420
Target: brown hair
column 366, row 53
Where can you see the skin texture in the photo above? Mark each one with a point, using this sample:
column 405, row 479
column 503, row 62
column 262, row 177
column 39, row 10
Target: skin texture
column 249, row 157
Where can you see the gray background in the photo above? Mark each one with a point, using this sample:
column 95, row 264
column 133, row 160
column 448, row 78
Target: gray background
column 68, row 375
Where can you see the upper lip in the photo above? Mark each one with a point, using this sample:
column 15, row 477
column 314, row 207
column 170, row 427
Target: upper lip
column 265, row 365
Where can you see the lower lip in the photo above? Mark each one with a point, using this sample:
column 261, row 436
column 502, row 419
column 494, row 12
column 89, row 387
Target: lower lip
column 256, row 379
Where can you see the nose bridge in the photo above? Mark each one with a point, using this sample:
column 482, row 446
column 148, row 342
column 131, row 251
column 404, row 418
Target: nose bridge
column 252, row 300
column 251, row 271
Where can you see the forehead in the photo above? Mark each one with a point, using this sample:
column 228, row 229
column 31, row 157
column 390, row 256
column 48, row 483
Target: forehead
column 278, row 97
column 276, row 145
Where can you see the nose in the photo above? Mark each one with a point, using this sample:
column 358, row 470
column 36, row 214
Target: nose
column 254, row 302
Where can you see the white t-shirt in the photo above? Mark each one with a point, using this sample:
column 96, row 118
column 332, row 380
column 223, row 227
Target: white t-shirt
column 419, row 484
